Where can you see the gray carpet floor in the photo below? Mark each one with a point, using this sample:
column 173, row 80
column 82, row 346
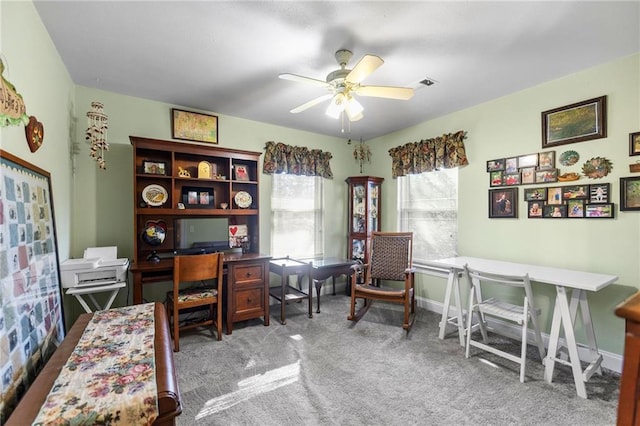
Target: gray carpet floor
column 327, row 370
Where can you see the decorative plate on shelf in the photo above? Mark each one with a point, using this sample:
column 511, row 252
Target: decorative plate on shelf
column 243, row 199
column 569, row 158
column 155, row 195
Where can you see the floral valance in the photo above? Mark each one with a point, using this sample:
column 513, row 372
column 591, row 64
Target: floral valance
column 443, row 152
column 296, row 160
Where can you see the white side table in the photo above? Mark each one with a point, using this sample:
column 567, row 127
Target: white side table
column 79, row 292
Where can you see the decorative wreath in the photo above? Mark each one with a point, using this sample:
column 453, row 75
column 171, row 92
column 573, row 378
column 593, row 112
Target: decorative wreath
column 597, row 167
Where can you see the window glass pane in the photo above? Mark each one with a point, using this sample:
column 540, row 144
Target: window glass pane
column 428, row 206
column 296, row 216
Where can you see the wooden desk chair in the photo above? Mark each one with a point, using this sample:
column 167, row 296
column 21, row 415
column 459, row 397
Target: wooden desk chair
column 390, row 259
column 191, row 269
column 520, row 314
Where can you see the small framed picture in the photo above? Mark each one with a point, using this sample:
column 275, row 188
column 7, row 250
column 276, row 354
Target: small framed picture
column 547, row 160
column 599, row 211
column 494, row 165
column 630, row 193
column 528, row 175
column 545, row 176
column 512, row 179
column 535, row 194
column 575, row 208
column 599, row 193
column 555, row 211
column 554, row 195
column 503, row 203
column 511, row 165
column 241, row 172
column 154, row 167
column 575, row 192
column 496, row 178
column 634, row 143
column 530, row 160
column 201, row 198
column 535, row 209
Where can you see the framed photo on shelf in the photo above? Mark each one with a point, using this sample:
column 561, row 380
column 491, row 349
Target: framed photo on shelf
column 503, row 203
column 193, row 197
column 634, row 143
column 575, row 192
column 512, row 179
column 578, row 122
column 546, row 176
column 194, row 126
column 494, row 165
column 575, row 208
column 599, row 211
column 241, row 172
column 535, row 194
column 599, row 193
column 496, row 178
column 511, row 165
column 530, row 160
column 554, row 195
column 535, row 209
column 630, row 193
column 154, row 167
column 547, row 160
column 528, row 175
column 554, row 211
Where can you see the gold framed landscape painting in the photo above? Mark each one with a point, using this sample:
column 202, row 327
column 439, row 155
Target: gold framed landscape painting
column 194, row 126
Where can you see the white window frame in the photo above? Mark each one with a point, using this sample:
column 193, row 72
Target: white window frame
column 284, row 242
column 428, row 206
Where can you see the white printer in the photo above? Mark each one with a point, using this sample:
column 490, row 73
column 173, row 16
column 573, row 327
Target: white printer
column 99, row 266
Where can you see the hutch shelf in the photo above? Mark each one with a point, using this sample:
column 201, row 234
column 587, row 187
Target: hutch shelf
column 177, row 180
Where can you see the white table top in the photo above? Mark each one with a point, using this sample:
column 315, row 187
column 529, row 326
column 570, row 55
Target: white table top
column 542, row 274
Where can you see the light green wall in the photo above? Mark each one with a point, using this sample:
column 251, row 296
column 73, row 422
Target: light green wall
column 511, row 126
column 94, row 207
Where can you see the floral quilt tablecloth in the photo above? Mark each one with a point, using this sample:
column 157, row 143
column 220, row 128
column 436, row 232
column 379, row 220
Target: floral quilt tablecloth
column 109, row 379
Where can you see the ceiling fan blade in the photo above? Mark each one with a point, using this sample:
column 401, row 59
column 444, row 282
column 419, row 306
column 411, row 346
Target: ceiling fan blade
column 390, row 92
column 366, row 65
column 302, row 79
column 311, row 103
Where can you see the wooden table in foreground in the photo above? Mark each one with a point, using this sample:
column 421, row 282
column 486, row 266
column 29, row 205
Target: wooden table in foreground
column 169, row 405
column 630, row 379
column 568, row 283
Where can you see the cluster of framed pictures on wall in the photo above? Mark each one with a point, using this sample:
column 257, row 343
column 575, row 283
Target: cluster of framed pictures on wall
column 523, row 170
column 570, row 201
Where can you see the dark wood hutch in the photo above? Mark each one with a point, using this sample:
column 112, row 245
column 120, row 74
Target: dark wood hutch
column 176, row 180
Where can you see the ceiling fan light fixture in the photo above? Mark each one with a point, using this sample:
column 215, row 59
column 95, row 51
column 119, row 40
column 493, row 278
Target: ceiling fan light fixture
column 337, row 105
column 354, row 109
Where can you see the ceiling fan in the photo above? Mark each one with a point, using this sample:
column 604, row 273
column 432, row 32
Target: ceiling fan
column 344, row 83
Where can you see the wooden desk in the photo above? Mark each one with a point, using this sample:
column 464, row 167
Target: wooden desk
column 566, row 281
column 630, row 379
column 168, row 394
column 246, row 288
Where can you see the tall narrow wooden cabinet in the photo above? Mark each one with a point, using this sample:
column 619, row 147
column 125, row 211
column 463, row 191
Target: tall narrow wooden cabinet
column 365, row 194
column 175, row 183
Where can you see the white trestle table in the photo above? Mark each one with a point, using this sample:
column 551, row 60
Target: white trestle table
column 568, row 283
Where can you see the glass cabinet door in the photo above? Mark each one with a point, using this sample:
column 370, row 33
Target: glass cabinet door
column 364, row 214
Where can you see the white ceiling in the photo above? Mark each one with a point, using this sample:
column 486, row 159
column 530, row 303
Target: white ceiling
column 225, row 57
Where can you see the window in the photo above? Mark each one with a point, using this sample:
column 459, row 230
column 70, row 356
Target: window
column 428, row 206
column 296, row 216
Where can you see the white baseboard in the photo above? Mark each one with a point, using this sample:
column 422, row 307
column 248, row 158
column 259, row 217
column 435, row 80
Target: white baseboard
column 610, row 361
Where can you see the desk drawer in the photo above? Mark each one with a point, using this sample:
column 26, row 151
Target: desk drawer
column 248, row 303
column 249, row 273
